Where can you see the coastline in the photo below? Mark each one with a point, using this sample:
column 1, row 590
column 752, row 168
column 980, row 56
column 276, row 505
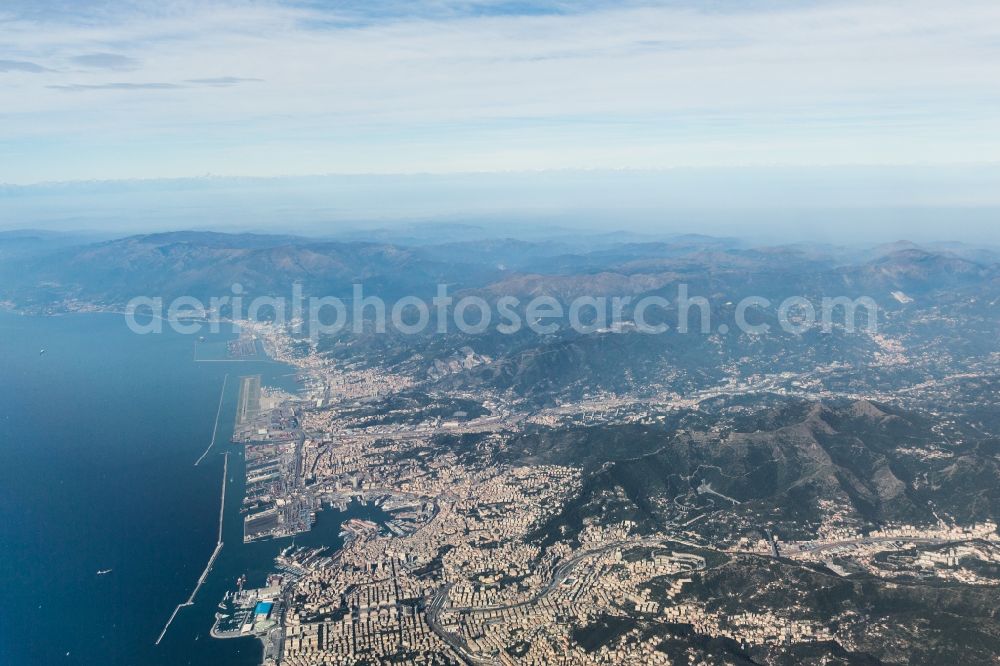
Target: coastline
column 215, row 553
column 132, row 417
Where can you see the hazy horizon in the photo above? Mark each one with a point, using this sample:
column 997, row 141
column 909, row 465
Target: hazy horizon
column 786, row 121
column 837, row 205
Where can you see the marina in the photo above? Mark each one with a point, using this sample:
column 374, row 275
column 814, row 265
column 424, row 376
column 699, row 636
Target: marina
column 248, row 612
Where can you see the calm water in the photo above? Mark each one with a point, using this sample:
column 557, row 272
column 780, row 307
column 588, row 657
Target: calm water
column 98, row 439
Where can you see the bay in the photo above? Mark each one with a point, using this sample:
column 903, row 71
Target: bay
column 98, row 439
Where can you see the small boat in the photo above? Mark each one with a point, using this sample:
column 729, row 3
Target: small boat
column 104, row 572
column 41, row 352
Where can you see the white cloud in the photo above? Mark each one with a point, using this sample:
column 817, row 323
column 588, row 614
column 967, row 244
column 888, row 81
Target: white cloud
column 635, row 86
column 106, row 61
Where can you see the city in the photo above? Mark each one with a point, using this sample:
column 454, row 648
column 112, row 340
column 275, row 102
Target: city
column 457, row 575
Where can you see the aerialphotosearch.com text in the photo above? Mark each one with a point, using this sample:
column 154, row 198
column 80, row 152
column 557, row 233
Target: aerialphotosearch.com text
column 471, row 314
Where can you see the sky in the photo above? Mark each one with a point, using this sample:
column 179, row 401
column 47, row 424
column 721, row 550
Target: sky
column 95, row 90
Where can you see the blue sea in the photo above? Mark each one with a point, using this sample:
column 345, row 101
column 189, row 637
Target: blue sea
column 98, row 439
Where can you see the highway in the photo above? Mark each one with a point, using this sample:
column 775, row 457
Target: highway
column 560, row 574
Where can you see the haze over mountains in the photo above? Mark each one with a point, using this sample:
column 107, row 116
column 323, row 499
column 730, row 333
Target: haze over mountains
column 45, row 268
column 941, row 299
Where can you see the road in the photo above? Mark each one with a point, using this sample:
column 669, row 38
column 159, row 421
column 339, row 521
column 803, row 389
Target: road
column 560, row 574
column 821, row 547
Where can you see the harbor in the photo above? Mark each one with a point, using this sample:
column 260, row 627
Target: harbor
column 211, row 559
column 248, row 612
column 133, row 518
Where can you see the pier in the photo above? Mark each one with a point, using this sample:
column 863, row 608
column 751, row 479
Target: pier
column 218, row 413
column 211, row 560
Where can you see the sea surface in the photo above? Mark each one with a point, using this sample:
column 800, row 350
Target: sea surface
column 98, row 439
